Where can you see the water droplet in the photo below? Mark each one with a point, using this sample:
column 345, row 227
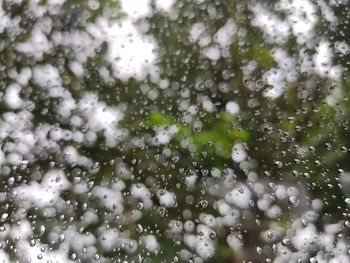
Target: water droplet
column 42, row 230
column 347, row 201
column 259, row 250
column 139, row 229
column 212, row 235
column 73, row 256
column 293, row 200
column 32, row 242
column 4, row 216
column 269, row 234
column 61, row 237
column 286, row 241
column 139, row 206
column 204, row 203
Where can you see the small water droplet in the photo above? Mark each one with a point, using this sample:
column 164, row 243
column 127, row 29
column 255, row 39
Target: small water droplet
column 61, row 237
column 212, row 235
column 139, row 229
column 32, row 242
column 286, row 241
column 259, row 250
column 73, row 256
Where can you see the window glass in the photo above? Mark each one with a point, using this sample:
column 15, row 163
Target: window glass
column 174, row 131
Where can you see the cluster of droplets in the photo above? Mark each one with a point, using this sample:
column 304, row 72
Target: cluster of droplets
column 80, row 185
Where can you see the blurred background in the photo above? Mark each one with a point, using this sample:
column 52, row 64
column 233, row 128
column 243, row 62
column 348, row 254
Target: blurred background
column 174, row 131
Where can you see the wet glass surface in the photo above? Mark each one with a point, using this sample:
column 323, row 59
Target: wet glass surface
column 174, row 131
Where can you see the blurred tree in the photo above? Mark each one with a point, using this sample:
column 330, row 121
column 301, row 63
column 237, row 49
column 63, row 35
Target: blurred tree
column 243, row 99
